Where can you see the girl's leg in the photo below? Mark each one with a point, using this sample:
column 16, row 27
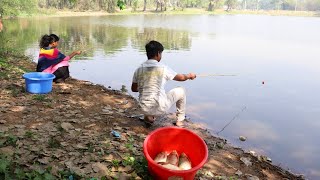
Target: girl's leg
column 61, row 74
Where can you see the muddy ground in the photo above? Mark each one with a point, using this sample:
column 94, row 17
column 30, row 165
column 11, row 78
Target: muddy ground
column 67, row 134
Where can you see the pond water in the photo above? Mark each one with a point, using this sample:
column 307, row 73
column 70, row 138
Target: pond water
column 273, row 99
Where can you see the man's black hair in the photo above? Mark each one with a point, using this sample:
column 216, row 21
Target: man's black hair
column 55, row 37
column 153, row 48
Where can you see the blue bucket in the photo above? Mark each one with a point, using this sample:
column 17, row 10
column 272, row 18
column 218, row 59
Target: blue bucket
column 38, row 82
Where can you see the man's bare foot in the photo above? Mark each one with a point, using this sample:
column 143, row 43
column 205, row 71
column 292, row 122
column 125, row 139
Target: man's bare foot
column 149, row 119
column 179, row 124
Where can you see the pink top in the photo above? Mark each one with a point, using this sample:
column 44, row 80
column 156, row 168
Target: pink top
column 53, row 68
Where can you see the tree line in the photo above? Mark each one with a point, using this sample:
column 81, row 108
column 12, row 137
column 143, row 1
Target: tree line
column 17, row 7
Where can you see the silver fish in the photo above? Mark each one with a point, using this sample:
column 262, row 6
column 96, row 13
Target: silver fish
column 173, row 158
column 184, row 162
column 170, row 166
column 161, row 157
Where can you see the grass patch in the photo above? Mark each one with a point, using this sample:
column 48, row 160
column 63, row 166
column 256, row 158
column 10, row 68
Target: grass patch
column 29, row 134
column 128, row 161
column 140, row 166
column 53, row 143
column 123, row 89
column 130, row 144
column 10, row 170
column 90, row 147
column 10, row 140
column 41, row 98
column 115, row 163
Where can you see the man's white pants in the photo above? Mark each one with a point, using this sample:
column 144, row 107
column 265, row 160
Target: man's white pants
column 177, row 96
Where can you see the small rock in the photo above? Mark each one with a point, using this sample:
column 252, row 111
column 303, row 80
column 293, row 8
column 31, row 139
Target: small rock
column 208, row 174
column 117, row 128
column 242, row 138
column 238, row 173
column 90, row 125
column 253, row 153
column 251, row 177
column 34, row 149
column 81, row 146
column 113, row 169
column 221, row 177
column 246, row 161
column 125, row 169
column 55, row 170
column 85, row 160
column 73, row 120
column 115, row 143
column 264, row 158
column 64, row 144
column 44, row 160
column 220, row 145
column 3, row 121
column 66, row 126
column 123, row 176
column 122, row 148
column 20, row 126
column 9, row 150
column 131, row 133
column 17, row 108
column 269, row 159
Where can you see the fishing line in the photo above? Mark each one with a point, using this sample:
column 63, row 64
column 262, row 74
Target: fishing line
column 234, row 117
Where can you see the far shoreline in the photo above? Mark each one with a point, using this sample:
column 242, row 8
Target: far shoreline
column 187, row 11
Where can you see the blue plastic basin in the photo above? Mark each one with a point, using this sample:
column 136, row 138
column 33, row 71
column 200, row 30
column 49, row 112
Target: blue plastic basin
column 38, row 82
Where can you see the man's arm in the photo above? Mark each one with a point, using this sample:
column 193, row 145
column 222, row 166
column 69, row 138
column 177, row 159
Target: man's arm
column 184, row 77
column 134, row 87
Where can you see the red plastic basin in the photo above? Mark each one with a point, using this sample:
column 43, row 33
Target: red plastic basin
column 181, row 140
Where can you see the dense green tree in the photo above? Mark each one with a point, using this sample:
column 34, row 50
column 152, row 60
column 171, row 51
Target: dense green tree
column 16, row 7
column 231, row 4
column 121, row 4
column 214, row 4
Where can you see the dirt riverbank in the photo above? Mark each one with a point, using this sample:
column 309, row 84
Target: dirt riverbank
column 67, row 134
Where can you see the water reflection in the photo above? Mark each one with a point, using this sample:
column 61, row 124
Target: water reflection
column 280, row 119
column 86, row 34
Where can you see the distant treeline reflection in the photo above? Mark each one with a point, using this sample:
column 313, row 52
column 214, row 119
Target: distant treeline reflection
column 80, row 33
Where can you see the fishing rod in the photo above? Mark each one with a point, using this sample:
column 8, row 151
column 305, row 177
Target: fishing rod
column 83, row 47
column 211, row 75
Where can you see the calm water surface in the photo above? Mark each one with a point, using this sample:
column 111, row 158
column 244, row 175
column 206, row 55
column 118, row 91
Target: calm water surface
column 279, row 117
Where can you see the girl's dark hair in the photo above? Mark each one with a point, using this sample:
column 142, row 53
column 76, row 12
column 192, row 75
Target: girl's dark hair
column 55, row 37
column 45, row 41
column 153, row 48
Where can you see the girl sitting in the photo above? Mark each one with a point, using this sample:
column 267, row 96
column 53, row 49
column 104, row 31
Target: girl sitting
column 51, row 60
